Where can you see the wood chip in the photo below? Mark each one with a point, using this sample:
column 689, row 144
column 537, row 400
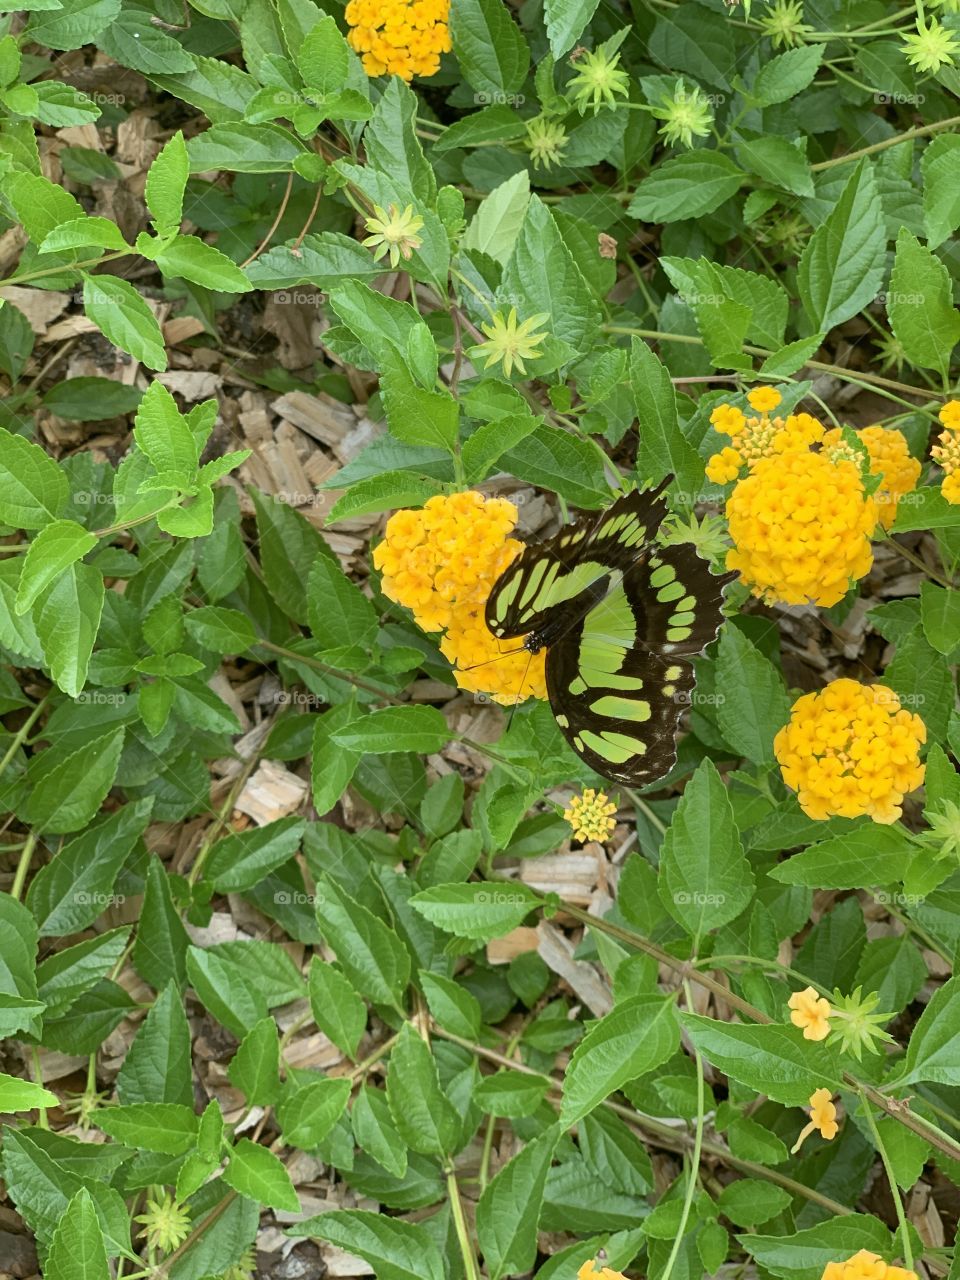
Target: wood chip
column 556, row 951
column 573, row 876
column 271, row 793
column 40, row 306
column 515, row 943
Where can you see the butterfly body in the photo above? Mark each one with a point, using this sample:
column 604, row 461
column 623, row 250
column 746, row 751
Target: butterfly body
column 620, row 618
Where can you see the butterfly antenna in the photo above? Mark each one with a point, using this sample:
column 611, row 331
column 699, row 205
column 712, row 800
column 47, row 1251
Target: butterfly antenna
column 486, row 662
column 516, row 701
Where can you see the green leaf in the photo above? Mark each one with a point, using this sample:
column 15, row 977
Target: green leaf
column 91, row 399
column 705, row 880
column 686, row 186
column 341, row 616
column 414, row 415
column 67, row 618
column 392, row 146
column 289, row 545
column 566, row 21
column 134, row 41
column 323, row 58
column 221, row 630
column 614, row 1153
column 124, row 319
column 384, row 492
column 243, row 858
column 842, row 267
column 255, row 1068
column 941, row 188
column 33, row 489
column 308, row 1114
column 425, row 1117
column 562, row 462
column 80, row 232
column 489, row 46
column 773, row 1059
column 370, row 953
column 337, row 1009
column 494, row 227
column 55, row 548
column 663, row 448
column 511, row 1093
column 159, row 953
column 396, row 1250
column 193, row 259
column 493, row 439
column 259, row 1175
column 325, row 260
column 784, row 76
column 752, row 703
column 166, row 183
column 24, row 1095
column 933, row 1053
column 67, row 790
column 75, row 887
column 940, row 613
column 157, row 1065
column 40, row 204
column 232, row 992
column 453, row 1007
column 165, row 1127
column 477, row 910
column 749, row 1202
column 509, row 1208
column 873, row 855
column 789, row 359
column 635, row 1037
column 806, row 1254
column 331, row 765
column 376, row 1133
column 245, row 148
column 928, row 510
column 77, row 1250
column 920, row 305
column 409, row 728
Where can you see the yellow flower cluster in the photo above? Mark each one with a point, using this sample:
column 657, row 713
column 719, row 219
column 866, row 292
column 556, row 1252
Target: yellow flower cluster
column 865, row 1266
column 591, row 816
column 823, row 1117
column 947, row 453
column 758, row 437
column 441, row 562
column 593, row 1269
column 889, row 457
column 811, row 1012
column 851, row 749
column 801, row 526
column 399, row 37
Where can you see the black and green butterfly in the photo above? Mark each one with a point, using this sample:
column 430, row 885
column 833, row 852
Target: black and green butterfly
column 620, row 618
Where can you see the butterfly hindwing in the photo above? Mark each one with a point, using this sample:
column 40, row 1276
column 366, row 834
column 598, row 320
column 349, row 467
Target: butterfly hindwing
column 550, row 577
column 619, row 678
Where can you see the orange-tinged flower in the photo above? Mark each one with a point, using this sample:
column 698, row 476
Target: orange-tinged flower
column 823, row 1119
column 811, row 1012
column 593, row 1269
column 865, row 1266
column 849, row 750
column 801, row 526
column 441, row 562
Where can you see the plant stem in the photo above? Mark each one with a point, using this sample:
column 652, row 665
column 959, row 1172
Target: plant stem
column 38, row 1079
column 23, row 732
column 460, row 1226
column 23, row 866
column 694, row 1174
column 892, row 1179
column 920, row 132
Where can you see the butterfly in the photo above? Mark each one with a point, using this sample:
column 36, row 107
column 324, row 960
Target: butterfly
column 620, row 618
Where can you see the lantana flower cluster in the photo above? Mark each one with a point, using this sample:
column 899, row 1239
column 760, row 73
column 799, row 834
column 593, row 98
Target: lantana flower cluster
column 402, row 38
column 591, row 816
column 890, row 458
column 865, row 1266
column 441, row 562
column 850, row 750
column 800, row 520
column 947, row 452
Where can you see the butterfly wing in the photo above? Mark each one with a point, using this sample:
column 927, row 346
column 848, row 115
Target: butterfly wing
column 620, row 676
column 549, row 576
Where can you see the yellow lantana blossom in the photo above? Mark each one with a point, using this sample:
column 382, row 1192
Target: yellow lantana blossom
column 947, row 452
column 812, row 1012
column 801, row 526
column 593, row 1269
column 441, row 562
column 591, row 816
column 865, row 1266
column 758, row 437
column 823, row 1119
column 889, row 457
column 402, row 38
column 849, row 750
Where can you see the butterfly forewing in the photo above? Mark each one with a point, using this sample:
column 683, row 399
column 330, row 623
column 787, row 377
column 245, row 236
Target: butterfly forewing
column 561, row 573
column 620, row 676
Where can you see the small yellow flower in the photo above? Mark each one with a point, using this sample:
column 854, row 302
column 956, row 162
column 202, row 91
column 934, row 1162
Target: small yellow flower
column 949, row 415
column 850, row 750
column 591, row 816
column 728, row 420
column 823, row 1118
column 165, row 1224
column 865, row 1266
column 724, row 466
column 811, row 1012
column 947, row 452
column 763, row 399
column 394, row 233
column 951, row 488
column 889, row 457
column 932, row 47
column 593, row 1269
column 511, row 342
